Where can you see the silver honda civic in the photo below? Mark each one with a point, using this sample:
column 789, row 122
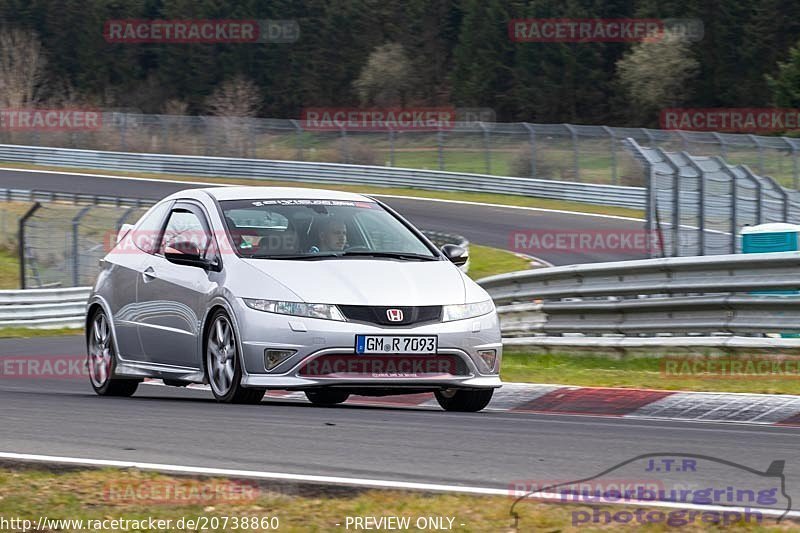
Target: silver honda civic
column 254, row 288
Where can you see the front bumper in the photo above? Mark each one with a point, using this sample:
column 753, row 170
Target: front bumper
column 313, row 338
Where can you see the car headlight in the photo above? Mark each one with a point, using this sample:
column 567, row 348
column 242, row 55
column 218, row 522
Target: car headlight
column 325, row 311
column 464, row 311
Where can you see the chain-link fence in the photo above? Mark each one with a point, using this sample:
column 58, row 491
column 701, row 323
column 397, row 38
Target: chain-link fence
column 63, row 244
column 591, row 154
column 698, row 205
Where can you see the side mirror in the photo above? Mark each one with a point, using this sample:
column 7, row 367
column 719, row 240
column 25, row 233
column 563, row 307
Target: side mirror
column 188, row 254
column 455, row 253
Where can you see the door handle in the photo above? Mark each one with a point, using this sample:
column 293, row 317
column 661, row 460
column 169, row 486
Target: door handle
column 149, row 274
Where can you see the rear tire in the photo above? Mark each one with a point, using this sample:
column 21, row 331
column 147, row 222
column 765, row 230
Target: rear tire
column 327, row 397
column 103, row 361
column 223, row 364
column 464, row 400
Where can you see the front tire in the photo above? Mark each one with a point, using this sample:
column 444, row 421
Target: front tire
column 103, row 361
column 223, row 364
column 327, row 397
column 464, row 400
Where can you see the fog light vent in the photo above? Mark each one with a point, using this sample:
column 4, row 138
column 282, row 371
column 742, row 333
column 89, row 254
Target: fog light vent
column 489, row 358
column 273, row 358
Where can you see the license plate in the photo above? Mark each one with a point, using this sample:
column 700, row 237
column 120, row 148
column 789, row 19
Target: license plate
column 396, row 344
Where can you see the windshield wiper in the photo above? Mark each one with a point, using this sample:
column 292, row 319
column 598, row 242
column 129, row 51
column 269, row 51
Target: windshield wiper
column 392, row 255
column 301, row 257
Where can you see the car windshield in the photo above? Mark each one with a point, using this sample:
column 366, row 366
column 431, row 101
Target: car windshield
column 305, row 229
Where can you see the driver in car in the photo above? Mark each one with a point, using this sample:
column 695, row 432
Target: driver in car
column 332, row 237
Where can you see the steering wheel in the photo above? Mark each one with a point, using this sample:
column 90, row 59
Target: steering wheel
column 357, row 249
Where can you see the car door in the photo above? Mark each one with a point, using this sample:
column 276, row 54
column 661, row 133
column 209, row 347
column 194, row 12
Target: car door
column 128, row 259
column 171, row 298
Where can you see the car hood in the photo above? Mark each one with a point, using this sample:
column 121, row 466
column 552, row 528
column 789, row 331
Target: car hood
column 366, row 281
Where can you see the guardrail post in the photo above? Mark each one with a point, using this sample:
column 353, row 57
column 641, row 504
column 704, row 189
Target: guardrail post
column 532, row 141
column 21, row 241
column 575, row 151
column 75, row 248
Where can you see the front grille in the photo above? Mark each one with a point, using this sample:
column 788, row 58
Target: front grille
column 412, row 316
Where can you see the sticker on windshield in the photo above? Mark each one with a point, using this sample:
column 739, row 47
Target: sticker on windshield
column 345, row 203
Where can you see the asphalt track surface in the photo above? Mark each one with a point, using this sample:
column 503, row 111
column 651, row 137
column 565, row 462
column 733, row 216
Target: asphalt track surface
column 490, row 449
column 480, row 224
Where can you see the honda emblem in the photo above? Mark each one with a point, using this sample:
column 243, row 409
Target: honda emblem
column 394, row 315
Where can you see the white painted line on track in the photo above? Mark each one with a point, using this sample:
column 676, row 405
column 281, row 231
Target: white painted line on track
column 368, row 483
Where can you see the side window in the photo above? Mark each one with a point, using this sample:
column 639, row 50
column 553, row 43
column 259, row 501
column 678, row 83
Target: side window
column 185, row 231
column 147, row 230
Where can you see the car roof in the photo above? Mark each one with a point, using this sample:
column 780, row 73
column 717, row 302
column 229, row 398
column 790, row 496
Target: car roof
column 276, row 193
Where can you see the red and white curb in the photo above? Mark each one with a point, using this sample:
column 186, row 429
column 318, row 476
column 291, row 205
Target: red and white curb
column 763, row 409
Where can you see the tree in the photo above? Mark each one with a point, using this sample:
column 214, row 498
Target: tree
column 237, row 97
column 22, row 73
column 786, row 85
column 387, row 78
column 656, row 74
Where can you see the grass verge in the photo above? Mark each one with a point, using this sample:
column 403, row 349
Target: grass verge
column 9, row 270
column 589, row 370
column 485, row 261
column 502, row 199
column 89, row 495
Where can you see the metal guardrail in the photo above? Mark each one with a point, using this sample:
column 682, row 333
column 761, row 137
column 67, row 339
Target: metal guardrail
column 684, row 301
column 44, row 308
column 334, row 173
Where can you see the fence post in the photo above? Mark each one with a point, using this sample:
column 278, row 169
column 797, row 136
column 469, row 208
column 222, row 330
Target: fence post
column 760, row 148
column 345, row 144
column 532, row 140
column 734, row 202
column 759, row 189
column 75, row 248
column 701, row 201
column 614, row 178
column 298, row 138
column 795, row 177
column 783, row 193
column 486, row 147
column 575, row 153
column 440, row 145
column 723, row 146
column 676, row 202
column 21, row 241
column 391, row 147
